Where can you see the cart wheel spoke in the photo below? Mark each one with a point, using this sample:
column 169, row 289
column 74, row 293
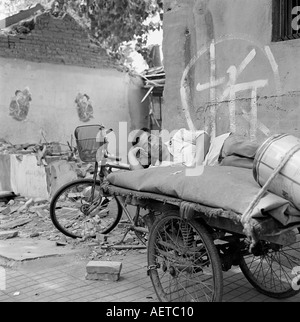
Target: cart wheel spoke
column 272, row 270
column 184, row 264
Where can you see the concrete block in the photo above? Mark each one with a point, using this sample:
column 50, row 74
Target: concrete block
column 110, row 267
column 103, row 270
column 102, row 277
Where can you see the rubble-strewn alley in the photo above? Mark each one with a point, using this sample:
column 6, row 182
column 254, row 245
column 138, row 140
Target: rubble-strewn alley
column 29, row 218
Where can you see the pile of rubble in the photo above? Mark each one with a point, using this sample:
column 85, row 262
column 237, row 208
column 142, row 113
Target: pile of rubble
column 41, row 150
column 30, row 218
column 24, row 217
column 47, row 152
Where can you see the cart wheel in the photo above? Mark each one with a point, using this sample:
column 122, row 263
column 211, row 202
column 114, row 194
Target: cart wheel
column 183, row 262
column 274, row 269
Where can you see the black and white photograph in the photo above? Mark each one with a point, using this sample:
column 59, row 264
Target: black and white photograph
column 149, row 153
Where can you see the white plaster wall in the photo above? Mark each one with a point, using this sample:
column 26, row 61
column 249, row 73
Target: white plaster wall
column 115, row 98
column 27, row 178
column 212, row 36
column 22, row 175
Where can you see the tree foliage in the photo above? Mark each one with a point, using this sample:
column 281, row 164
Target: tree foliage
column 111, row 22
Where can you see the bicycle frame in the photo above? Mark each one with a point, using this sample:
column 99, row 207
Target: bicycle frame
column 133, row 221
column 104, row 170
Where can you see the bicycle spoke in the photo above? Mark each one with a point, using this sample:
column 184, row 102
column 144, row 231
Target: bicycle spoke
column 79, row 209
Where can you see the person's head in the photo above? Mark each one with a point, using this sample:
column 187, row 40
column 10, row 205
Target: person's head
column 18, row 94
column 151, row 143
column 140, row 133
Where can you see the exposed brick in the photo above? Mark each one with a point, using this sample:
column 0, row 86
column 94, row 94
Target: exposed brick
column 53, row 38
column 103, row 270
column 102, row 267
column 102, row 277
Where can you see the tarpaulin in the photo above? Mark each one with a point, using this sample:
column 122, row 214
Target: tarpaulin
column 229, row 188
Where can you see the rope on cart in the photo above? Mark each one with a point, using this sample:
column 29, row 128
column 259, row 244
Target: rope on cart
column 246, row 217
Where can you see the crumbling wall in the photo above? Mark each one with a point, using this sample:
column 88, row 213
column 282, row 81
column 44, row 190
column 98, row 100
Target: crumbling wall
column 223, row 72
column 49, row 39
column 53, row 79
column 22, row 175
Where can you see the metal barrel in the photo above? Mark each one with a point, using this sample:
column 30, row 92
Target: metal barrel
column 287, row 183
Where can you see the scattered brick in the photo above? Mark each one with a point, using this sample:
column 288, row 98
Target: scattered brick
column 8, row 234
column 42, row 213
column 5, row 210
column 103, row 270
column 101, row 238
column 102, row 277
column 35, row 234
column 15, row 223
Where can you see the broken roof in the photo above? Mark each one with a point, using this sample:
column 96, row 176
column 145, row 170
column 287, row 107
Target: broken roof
column 154, row 81
column 46, row 35
column 22, row 15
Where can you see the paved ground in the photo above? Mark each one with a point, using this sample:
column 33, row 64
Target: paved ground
column 62, row 279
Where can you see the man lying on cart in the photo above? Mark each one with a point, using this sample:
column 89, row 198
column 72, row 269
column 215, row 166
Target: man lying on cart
column 191, row 149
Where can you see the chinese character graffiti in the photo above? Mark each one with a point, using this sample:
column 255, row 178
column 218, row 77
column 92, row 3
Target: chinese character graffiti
column 224, row 89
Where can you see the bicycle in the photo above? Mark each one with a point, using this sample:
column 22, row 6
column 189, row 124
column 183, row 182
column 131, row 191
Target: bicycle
column 83, row 207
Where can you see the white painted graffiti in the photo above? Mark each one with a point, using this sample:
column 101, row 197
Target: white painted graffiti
column 232, row 87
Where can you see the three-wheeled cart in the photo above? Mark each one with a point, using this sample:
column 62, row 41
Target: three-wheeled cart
column 190, row 245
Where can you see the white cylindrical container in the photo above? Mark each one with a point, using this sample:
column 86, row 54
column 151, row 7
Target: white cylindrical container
column 287, row 183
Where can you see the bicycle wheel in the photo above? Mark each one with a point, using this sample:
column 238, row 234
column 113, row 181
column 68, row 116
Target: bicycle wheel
column 183, row 262
column 76, row 213
column 273, row 270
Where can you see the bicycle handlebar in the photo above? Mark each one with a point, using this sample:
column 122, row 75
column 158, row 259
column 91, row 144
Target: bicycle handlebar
column 120, row 165
column 109, row 156
column 109, row 130
column 112, row 157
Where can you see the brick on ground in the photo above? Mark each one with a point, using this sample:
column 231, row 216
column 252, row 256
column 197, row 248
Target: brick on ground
column 15, row 223
column 8, row 234
column 103, row 270
column 8, row 210
column 5, row 210
column 42, row 213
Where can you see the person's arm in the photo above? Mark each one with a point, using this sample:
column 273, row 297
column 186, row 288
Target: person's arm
column 133, row 160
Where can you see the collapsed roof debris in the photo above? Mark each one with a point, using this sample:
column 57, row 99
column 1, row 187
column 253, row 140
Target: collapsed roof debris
column 154, row 80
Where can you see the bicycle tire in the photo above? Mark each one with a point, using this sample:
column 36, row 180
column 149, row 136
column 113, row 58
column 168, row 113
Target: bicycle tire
column 70, row 205
column 272, row 272
column 183, row 262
